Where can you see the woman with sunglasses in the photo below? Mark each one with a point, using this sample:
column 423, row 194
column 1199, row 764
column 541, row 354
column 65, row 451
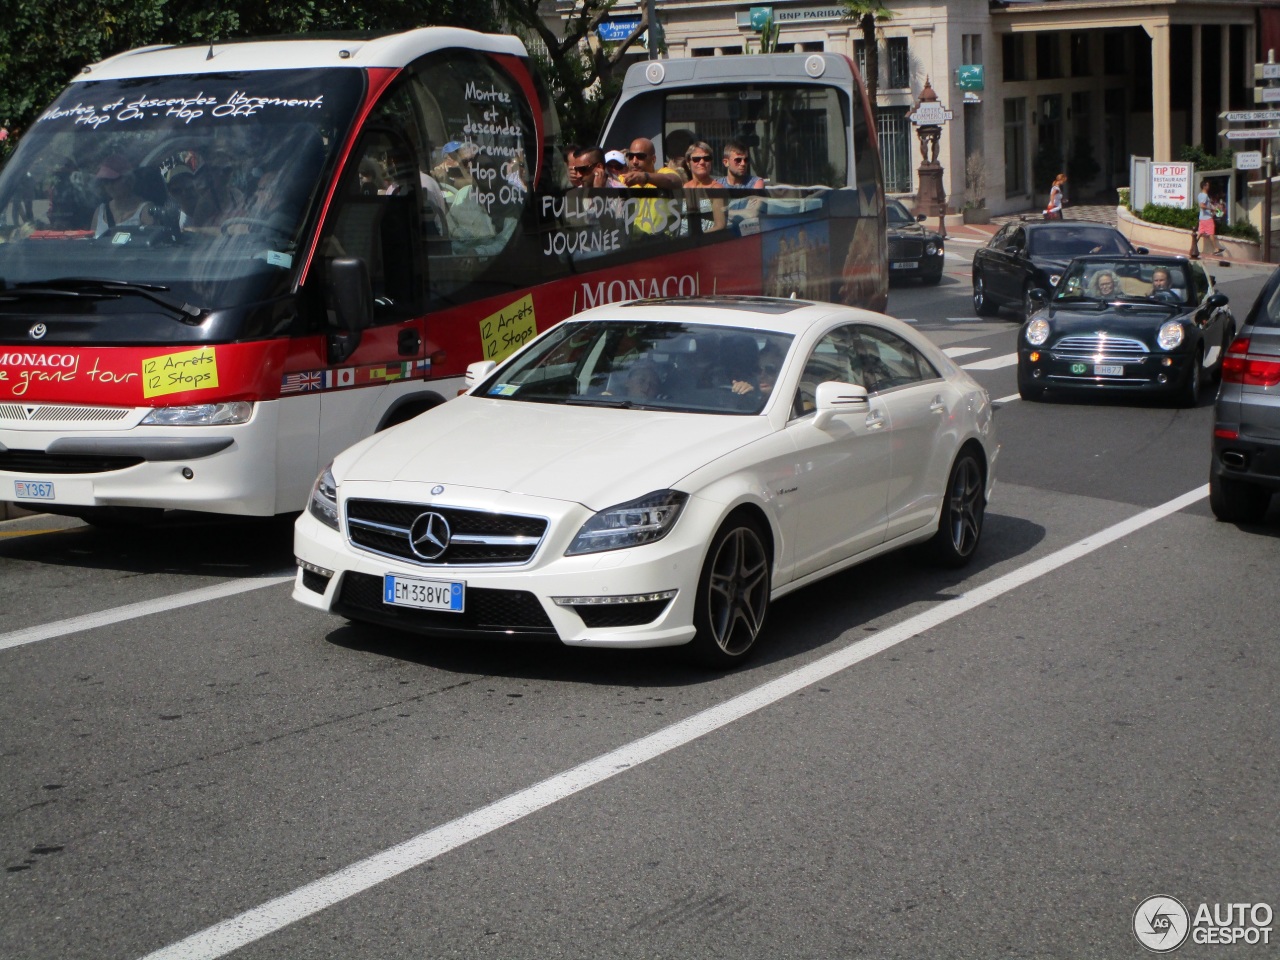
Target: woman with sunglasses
column 711, row 211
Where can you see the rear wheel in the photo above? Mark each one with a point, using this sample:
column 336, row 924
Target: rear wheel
column 983, row 305
column 964, row 506
column 733, row 594
column 1236, row 501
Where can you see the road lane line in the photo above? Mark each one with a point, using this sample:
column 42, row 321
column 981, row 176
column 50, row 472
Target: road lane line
column 992, row 363
column 229, row 935
column 954, row 352
column 1009, row 399
column 59, row 628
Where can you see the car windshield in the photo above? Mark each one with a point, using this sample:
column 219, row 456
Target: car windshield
column 203, row 184
column 1058, row 242
column 896, row 213
column 1124, row 279
column 691, row 368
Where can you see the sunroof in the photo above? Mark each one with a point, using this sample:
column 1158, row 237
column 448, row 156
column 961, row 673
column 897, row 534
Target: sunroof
column 773, row 305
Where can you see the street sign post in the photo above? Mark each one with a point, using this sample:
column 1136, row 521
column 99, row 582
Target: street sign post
column 1248, row 159
column 1251, row 133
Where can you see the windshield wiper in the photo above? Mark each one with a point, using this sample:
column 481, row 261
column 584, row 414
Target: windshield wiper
column 93, row 288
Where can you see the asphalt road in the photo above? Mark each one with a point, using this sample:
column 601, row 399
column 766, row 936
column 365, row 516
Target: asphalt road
column 1002, row 762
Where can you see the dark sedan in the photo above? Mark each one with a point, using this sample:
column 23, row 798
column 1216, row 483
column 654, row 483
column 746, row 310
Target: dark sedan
column 1127, row 324
column 914, row 250
column 1026, row 255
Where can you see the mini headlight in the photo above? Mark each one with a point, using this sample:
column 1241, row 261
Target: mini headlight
column 641, row 521
column 324, row 498
column 1053, row 279
column 1170, row 335
column 1037, row 331
column 201, row 415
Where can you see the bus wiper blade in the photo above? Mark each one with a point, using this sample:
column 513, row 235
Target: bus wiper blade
column 80, row 286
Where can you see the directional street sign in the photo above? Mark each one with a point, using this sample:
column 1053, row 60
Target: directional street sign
column 1266, row 71
column 1248, row 159
column 1254, row 133
column 1249, row 116
column 1266, row 94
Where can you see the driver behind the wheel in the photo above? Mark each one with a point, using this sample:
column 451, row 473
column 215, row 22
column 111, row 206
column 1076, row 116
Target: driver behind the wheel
column 1162, row 286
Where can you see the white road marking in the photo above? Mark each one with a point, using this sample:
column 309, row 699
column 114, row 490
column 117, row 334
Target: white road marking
column 964, row 320
column 992, row 363
column 222, row 938
column 954, row 352
column 60, row 628
column 1009, row 399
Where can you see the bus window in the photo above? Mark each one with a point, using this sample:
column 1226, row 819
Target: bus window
column 480, row 129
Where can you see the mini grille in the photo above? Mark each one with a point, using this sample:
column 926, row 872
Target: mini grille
column 37, row 461
column 475, row 536
column 62, row 413
column 1098, row 348
column 512, row 612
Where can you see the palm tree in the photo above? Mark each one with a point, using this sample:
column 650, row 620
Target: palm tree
column 866, row 14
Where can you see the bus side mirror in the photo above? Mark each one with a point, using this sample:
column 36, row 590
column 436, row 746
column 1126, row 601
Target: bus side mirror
column 351, row 299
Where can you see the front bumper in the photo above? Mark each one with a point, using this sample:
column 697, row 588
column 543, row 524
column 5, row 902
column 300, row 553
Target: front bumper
column 1154, row 373
column 517, row 601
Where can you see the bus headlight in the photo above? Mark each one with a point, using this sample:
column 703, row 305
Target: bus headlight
column 1170, row 335
column 323, row 504
column 201, row 415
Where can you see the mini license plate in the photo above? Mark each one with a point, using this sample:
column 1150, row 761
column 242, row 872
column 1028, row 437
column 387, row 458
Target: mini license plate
column 33, row 489
column 1108, row 370
column 447, row 595
column 905, row 265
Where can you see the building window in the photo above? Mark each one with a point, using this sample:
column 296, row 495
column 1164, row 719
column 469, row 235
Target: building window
column 1015, row 58
column 1113, row 52
column 971, row 48
column 1015, row 146
column 1048, row 56
column 895, row 134
column 1080, row 54
column 899, row 63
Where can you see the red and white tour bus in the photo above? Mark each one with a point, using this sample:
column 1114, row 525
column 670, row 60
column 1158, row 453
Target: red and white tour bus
column 221, row 265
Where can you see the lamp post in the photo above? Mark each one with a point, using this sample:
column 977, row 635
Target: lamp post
column 929, row 115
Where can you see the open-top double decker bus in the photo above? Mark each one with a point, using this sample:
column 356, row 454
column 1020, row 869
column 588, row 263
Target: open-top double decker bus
column 222, row 264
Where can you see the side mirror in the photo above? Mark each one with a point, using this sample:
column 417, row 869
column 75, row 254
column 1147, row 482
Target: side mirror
column 1216, row 301
column 920, row 218
column 476, row 372
column 350, row 298
column 832, row 398
column 1038, row 296
column 1141, row 251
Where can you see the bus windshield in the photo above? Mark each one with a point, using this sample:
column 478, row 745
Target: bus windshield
column 202, row 184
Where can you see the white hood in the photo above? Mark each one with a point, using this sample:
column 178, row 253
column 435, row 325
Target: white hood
column 590, row 455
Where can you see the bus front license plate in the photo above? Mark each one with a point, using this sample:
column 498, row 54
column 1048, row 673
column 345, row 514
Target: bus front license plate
column 1108, row 370
column 447, row 595
column 33, row 490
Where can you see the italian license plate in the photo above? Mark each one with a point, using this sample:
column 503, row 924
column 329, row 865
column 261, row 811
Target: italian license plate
column 1108, row 370
column 33, row 490
column 447, row 595
column 905, row 265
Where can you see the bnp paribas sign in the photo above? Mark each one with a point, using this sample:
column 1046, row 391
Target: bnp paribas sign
column 757, row 17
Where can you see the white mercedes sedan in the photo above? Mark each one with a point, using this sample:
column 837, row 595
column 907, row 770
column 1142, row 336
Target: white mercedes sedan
column 655, row 473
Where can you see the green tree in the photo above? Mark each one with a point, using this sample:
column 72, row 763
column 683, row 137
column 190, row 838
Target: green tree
column 583, row 76
column 866, row 14
column 43, row 43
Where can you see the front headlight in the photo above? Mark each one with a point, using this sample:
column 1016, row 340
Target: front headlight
column 641, row 521
column 1170, row 335
column 201, row 415
column 931, row 248
column 1053, row 280
column 1037, row 331
column 324, row 498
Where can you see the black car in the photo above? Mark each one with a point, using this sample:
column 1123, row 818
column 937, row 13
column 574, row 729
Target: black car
column 1026, row 255
column 914, row 251
column 1245, row 470
column 1135, row 324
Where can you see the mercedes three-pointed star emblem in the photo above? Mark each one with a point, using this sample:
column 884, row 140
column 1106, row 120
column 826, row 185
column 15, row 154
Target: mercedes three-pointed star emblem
column 429, row 536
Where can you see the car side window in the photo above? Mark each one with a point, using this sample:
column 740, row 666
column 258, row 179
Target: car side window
column 1001, row 238
column 885, row 360
column 831, row 359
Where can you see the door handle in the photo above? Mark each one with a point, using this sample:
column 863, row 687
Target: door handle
column 937, row 406
column 875, row 420
column 408, row 343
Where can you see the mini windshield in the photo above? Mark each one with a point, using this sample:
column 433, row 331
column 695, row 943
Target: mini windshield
column 201, row 184
column 1124, row 279
column 1064, row 242
column 691, row 368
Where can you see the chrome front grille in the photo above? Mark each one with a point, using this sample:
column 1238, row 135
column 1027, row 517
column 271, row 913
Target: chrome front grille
column 60, row 413
column 901, row 248
column 1100, row 348
column 475, row 537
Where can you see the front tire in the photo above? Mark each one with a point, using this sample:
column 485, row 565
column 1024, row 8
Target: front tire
column 1189, row 394
column 733, row 594
column 1236, row 501
column 964, row 506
